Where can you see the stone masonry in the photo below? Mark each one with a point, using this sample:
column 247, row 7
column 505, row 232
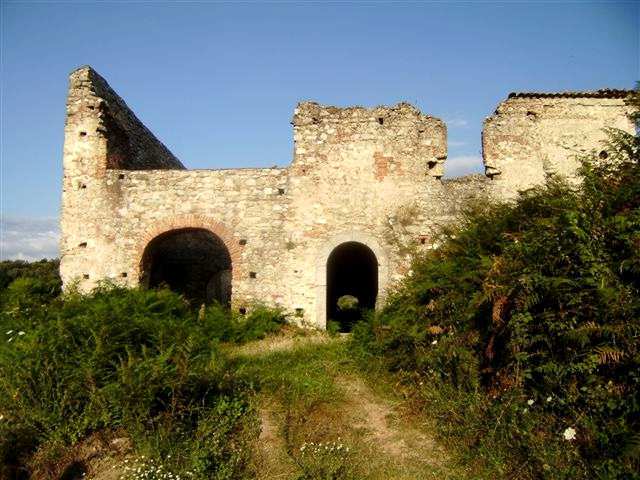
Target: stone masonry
column 369, row 176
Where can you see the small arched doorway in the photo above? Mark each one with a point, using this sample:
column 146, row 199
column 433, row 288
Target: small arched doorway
column 352, row 283
column 191, row 261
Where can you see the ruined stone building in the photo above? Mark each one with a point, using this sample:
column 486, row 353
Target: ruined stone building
column 365, row 187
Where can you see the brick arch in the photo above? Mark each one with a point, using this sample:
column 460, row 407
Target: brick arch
column 180, row 222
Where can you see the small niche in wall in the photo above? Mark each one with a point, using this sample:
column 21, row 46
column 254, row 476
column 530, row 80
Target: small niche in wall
column 242, row 241
column 242, row 311
column 281, row 191
column 83, row 134
column 381, row 120
column 121, row 176
column 91, row 107
column 431, row 164
column 82, row 245
column 299, row 312
column 603, row 155
column 81, row 186
column 253, row 274
column 123, row 274
column 85, row 276
column 423, row 239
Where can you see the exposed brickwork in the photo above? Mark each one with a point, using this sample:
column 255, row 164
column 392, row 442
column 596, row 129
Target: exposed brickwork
column 191, row 221
column 358, row 174
column 383, row 165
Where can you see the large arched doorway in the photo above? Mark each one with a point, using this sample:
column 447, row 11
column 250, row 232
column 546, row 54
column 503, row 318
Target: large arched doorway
column 191, row 261
column 352, row 283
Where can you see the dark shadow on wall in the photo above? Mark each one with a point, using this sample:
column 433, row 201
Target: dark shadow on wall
column 352, row 271
column 192, row 262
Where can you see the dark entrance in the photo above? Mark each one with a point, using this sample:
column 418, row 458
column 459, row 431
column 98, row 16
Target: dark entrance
column 193, row 262
column 352, row 273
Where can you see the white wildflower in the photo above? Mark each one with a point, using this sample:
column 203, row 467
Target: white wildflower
column 434, row 342
column 569, row 433
column 549, row 398
column 20, row 332
column 530, row 402
column 9, row 332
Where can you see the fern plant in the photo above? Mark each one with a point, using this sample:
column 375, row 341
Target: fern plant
column 534, row 303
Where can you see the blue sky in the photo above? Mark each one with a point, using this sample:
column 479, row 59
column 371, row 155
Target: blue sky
column 218, row 82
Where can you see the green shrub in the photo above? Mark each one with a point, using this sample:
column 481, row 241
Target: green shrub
column 229, row 326
column 348, row 302
column 534, row 302
column 140, row 361
column 43, row 277
column 43, row 269
column 333, row 327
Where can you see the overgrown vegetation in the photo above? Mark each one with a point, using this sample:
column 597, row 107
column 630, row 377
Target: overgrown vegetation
column 138, row 363
column 44, row 276
column 322, row 420
column 521, row 333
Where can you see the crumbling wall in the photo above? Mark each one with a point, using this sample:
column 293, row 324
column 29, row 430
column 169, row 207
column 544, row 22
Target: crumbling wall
column 531, row 135
column 129, row 144
column 101, row 133
column 404, row 141
column 367, row 175
column 353, row 170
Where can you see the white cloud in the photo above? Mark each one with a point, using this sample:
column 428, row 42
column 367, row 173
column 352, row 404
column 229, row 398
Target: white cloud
column 456, row 143
column 28, row 238
column 463, row 165
column 456, row 122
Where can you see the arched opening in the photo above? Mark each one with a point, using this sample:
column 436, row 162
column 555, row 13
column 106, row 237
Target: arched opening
column 191, row 261
column 352, row 283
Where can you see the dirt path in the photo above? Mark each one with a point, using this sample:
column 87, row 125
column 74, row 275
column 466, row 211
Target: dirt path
column 272, row 459
column 386, row 426
column 391, row 444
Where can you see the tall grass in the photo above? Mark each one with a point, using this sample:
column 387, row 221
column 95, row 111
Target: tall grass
column 138, row 362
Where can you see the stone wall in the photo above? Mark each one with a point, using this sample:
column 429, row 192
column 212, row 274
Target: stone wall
column 101, row 133
column 367, row 175
column 533, row 135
